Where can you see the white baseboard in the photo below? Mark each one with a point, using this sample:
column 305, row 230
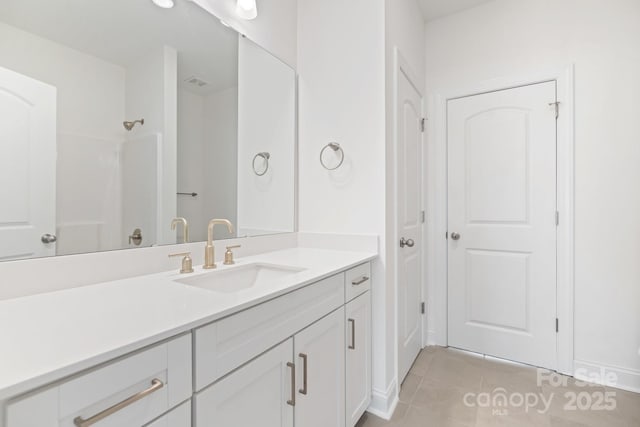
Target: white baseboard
column 383, row 403
column 613, row 376
column 432, row 338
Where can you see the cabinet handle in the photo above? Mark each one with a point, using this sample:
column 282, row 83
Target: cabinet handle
column 292, row 401
column 360, row 281
column 156, row 385
column 304, row 358
column 352, row 346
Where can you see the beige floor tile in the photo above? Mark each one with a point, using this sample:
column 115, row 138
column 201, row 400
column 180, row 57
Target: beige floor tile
column 511, row 417
column 451, row 370
column 421, row 364
column 435, row 401
column 409, row 387
column 437, row 398
column 628, row 406
column 436, row 416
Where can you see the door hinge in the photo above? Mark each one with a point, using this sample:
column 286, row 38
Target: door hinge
column 446, row 234
column 423, row 308
column 557, row 325
column 557, row 106
column 423, row 217
column 423, row 124
column 557, row 218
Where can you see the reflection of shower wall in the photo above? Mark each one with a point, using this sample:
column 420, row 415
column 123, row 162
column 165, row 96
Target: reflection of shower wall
column 88, row 194
column 207, row 153
column 151, row 93
column 90, row 111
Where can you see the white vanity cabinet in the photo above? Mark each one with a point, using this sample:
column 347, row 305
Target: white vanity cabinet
column 129, row 392
column 257, row 394
column 320, row 367
column 178, row 417
column 318, row 376
column 301, row 378
column 358, row 345
column 358, row 357
column 301, row 359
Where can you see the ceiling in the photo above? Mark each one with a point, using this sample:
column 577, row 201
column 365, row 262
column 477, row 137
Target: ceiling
column 122, row 31
column 434, row 9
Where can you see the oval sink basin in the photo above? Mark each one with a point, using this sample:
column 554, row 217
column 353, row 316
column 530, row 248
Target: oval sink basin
column 241, row 278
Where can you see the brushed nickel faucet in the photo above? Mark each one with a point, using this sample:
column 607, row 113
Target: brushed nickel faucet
column 185, row 224
column 187, row 264
column 209, row 250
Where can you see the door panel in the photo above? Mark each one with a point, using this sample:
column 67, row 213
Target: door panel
column 27, row 166
column 502, row 203
column 254, row 395
column 409, row 192
column 321, row 347
column 358, row 346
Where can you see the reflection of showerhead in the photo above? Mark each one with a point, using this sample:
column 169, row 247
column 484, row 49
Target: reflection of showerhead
column 130, row 125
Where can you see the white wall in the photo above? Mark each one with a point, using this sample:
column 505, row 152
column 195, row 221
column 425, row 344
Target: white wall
column 341, row 66
column 274, row 28
column 90, row 110
column 152, row 94
column 507, row 38
column 266, row 123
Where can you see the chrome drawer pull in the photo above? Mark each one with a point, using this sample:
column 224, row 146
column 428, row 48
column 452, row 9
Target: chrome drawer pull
column 156, row 385
column 360, row 281
column 292, row 401
column 304, row 388
column 352, row 346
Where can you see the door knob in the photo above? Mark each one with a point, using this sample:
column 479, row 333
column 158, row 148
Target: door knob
column 136, row 237
column 48, row 238
column 455, row 236
column 407, row 242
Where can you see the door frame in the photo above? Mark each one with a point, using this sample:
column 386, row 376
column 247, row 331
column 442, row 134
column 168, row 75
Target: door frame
column 436, row 196
column 401, row 65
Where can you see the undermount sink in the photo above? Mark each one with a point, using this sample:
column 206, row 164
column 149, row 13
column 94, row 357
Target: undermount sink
column 241, row 278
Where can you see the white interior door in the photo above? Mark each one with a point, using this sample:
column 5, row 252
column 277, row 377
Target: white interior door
column 409, row 206
column 27, row 167
column 502, row 224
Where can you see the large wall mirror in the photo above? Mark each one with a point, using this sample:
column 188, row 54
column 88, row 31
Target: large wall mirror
column 117, row 116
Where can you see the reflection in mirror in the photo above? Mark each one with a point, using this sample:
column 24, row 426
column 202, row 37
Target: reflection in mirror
column 117, row 116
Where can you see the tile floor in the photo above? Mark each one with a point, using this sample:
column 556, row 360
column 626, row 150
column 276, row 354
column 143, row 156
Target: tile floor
column 442, row 380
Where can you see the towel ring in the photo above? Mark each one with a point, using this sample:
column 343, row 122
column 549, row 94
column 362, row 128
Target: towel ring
column 335, row 147
column 264, row 155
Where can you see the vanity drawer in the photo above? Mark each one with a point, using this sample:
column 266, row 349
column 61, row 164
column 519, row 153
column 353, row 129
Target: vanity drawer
column 358, row 281
column 230, row 342
column 129, row 392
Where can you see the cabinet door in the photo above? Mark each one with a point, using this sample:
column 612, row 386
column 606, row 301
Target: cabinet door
column 178, row 417
column 254, row 395
column 358, row 375
column 319, row 359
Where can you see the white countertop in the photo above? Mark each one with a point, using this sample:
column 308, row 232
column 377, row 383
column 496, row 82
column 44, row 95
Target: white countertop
column 46, row 337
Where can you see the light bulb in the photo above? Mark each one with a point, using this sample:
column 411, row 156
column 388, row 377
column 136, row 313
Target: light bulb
column 247, row 9
column 165, row 4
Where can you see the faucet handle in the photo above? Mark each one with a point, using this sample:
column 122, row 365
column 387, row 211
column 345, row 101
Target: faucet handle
column 228, row 255
column 187, row 263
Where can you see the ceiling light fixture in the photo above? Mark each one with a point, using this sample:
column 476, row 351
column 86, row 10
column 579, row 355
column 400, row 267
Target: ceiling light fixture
column 247, row 9
column 165, row 4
